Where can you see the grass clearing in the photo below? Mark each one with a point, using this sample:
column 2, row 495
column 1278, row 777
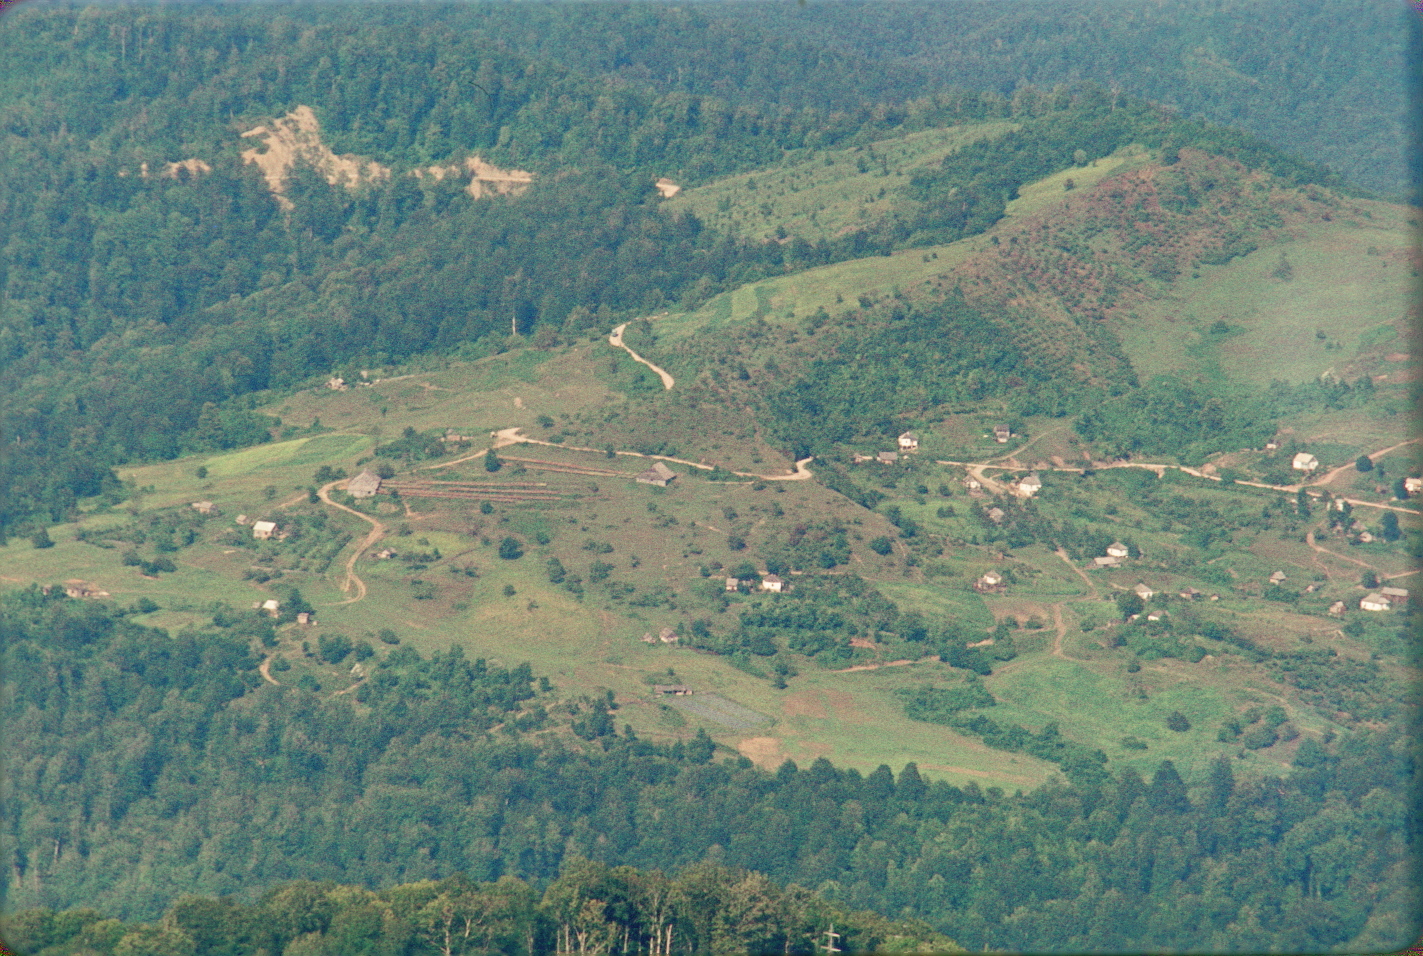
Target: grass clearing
column 1342, row 309
column 826, row 193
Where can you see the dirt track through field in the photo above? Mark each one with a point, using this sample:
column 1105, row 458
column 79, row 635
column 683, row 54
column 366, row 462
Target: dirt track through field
column 378, row 531
column 616, row 340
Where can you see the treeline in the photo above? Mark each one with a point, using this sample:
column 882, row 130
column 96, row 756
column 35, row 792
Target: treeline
column 590, row 908
column 1326, row 82
column 148, row 767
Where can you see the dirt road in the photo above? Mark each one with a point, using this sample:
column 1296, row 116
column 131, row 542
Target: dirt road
column 616, row 340
column 378, row 531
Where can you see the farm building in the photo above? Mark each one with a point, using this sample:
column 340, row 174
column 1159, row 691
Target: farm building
column 364, row 485
column 1304, row 462
column 996, row 515
column 1374, row 602
column 1413, row 485
column 1143, row 592
column 1106, row 561
column 263, row 530
column 1397, row 597
column 303, row 617
column 1337, row 609
column 272, row 606
column 1278, row 577
column 1001, row 433
column 733, row 584
column 772, row 583
column 672, row 690
column 668, row 636
column 204, row 508
column 1030, row 486
column 972, row 483
column 666, row 188
column 990, row 579
column 1117, row 550
column 887, row 457
column 659, row 475
column 908, row 441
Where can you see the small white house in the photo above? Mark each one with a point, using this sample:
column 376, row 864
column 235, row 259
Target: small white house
column 990, row 579
column 1413, row 486
column 1143, row 592
column 1304, row 462
column 772, row 583
column 908, row 441
column 262, row 530
column 972, row 483
column 271, row 606
column 1001, row 434
column 1374, row 602
column 1278, row 577
column 1030, row 486
column 1118, row 550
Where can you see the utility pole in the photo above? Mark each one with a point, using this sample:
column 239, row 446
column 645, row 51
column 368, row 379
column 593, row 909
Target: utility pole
column 830, row 938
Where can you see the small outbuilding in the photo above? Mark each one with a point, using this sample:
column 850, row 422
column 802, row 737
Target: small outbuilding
column 887, row 457
column 364, row 485
column 263, row 530
column 1304, row 462
column 1001, row 433
column 908, row 441
column 659, row 474
column 1118, row 550
column 1143, row 592
column 772, row 582
column 1030, row 486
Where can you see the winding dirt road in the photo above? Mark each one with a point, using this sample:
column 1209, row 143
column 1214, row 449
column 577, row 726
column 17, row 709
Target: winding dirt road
column 616, row 340
column 378, row 531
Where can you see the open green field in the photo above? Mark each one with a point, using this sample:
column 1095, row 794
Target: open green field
column 827, row 193
column 1342, row 310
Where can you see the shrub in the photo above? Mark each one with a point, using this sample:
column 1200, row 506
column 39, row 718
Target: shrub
column 881, row 545
column 510, row 549
column 1177, row 721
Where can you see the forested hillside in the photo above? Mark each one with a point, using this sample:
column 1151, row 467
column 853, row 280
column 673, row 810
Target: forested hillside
column 1328, row 82
column 156, row 768
column 130, row 276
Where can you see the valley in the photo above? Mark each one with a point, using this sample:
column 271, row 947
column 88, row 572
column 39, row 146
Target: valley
column 628, row 479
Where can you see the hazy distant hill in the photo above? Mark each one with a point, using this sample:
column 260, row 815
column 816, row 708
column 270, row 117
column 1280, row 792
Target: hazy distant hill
column 1327, row 80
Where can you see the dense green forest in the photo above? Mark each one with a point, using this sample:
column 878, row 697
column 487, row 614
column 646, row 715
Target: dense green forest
column 590, row 908
column 157, row 767
column 1332, row 81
